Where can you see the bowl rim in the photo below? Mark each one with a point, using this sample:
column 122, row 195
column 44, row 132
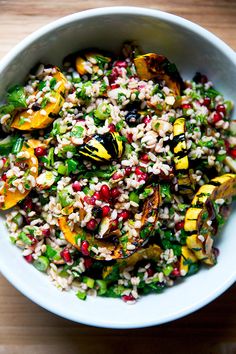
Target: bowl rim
column 92, row 13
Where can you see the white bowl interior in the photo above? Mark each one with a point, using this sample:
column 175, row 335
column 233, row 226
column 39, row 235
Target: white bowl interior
column 192, row 49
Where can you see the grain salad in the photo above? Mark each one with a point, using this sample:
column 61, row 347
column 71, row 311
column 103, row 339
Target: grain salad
column 116, row 174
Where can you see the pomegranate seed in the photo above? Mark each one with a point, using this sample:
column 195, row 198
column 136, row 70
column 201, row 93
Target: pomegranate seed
column 114, row 224
column 128, row 171
column 221, row 109
column 105, row 210
column 114, row 86
column 127, row 298
column 4, row 160
column 105, row 192
column 76, row 186
column 85, row 248
column 65, row 254
column 232, row 153
column 207, row 101
column 40, row 151
column 150, row 272
column 46, row 232
column 139, row 171
column 112, row 128
column 28, row 205
column 143, row 177
column 216, row 117
column 227, row 146
column 91, row 225
column 115, row 193
column 116, row 176
column 130, row 137
column 186, row 106
column 121, row 64
column 97, row 195
column 175, row 272
column 144, row 158
column 90, row 200
column 147, row 120
column 88, row 262
column 179, row 225
column 29, row 258
column 4, row 177
column 124, row 215
column 116, row 72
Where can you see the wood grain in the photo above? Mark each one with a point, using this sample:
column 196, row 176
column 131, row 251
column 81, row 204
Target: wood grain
column 26, row 328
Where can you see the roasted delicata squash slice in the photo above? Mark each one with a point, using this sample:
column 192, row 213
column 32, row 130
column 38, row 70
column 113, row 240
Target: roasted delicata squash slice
column 45, row 116
column 103, row 147
column 201, row 219
column 11, row 198
column 151, row 253
column 155, row 66
column 186, row 259
column 88, row 62
column 181, row 157
column 118, row 248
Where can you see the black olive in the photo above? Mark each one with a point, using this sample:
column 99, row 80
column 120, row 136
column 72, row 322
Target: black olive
column 133, row 118
column 36, row 107
column 97, row 212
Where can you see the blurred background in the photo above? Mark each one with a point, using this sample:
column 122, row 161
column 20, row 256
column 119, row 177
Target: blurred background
column 27, row 329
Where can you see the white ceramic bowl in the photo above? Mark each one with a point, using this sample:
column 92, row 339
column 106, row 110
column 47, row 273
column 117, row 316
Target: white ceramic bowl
column 192, row 49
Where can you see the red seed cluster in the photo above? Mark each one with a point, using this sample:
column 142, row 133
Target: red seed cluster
column 65, row 254
column 40, row 151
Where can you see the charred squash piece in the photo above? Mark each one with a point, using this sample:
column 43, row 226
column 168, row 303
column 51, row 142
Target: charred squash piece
column 115, row 249
column 181, row 157
column 201, row 216
column 155, row 66
column 37, row 120
column 103, row 147
column 12, row 198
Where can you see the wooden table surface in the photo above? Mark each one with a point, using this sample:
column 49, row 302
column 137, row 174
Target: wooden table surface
column 27, row 329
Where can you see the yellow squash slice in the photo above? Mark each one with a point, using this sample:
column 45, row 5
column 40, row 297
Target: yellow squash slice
column 81, row 62
column 198, row 216
column 37, row 120
column 181, row 157
column 186, row 258
column 155, row 66
column 116, row 250
column 12, row 198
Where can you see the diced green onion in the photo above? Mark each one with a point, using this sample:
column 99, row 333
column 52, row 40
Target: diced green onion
column 81, row 295
column 102, row 286
column 23, row 237
column 89, row 282
column 62, row 170
column 41, row 264
column 71, row 165
column 133, row 197
column 88, row 191
column 17, row 146
column 18, row 219
column 50, row 159
column 103, row 111
column 167, row 270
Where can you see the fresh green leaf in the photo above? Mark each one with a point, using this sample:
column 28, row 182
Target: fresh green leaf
column 16, row 97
